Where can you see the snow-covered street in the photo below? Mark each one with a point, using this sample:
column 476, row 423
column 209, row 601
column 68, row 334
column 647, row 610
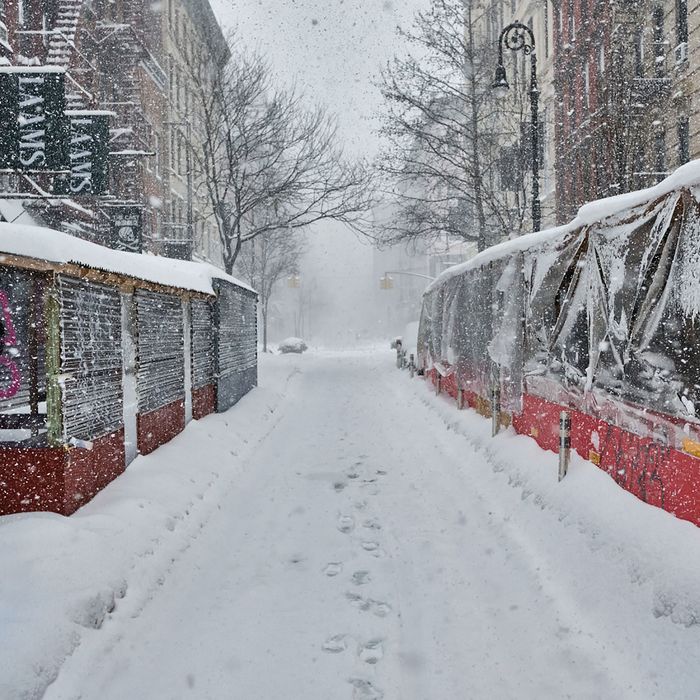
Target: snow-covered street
column 374, row 546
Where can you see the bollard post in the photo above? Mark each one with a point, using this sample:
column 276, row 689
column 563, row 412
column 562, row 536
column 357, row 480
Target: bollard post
column 495, row 409
column 564, row 443
column 460, row 399
column 412, row 365
column 438, row 384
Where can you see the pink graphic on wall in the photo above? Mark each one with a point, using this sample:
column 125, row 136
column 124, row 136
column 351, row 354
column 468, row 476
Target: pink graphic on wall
column 9, row 339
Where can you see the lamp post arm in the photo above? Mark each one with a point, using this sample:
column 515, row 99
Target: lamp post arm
column 410, row 274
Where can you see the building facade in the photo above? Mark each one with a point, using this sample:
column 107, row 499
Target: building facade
column 123, row 62
column 194, row 47
column 627, row 99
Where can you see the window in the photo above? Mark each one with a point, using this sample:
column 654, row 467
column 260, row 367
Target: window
column 657, row 28
column 660, row 151
column 570, row 15
column 683, row 141
column 601, row 59
column 639, row 53
column 545, row 22
column 586, row 86
column 681, row 21
column 156, row 158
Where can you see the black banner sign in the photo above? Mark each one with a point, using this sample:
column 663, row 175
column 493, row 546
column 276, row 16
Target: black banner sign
column 89, row 154
column 35, row 133
column 126, row 229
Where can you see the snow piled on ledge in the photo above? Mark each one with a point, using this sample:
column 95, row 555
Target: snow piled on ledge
column 61, row 248
column 687, row 175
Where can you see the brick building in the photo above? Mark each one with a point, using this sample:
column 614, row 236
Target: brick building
column 126, row 58
column 625, row 96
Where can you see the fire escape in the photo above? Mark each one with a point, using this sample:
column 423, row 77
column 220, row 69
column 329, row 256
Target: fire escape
column 103, row 61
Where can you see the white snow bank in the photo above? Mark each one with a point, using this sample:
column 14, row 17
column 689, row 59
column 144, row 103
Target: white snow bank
column 61, row 575
column 649, row 547
column 58, row 247
column 687, row 175
column 410, row 337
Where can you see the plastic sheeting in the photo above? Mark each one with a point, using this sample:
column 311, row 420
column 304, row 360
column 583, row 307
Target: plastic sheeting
column 607, row 313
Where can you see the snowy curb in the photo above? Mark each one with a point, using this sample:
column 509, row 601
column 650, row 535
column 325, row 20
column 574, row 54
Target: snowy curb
column 63, row 576
column 658, row 551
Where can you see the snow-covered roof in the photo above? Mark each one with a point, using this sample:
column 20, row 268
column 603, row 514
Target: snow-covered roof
column 61, row 248
column 14, row 211
column 592, row 212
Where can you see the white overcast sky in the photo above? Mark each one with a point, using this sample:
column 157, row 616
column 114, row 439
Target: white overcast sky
column 332, row 49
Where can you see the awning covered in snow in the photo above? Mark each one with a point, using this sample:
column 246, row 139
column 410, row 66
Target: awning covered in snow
column 55, row 247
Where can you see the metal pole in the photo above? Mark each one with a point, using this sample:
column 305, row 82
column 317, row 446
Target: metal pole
column 534, row 99
column 564, row 443
column 519, row 37
column 190, row 203
column 495, row 409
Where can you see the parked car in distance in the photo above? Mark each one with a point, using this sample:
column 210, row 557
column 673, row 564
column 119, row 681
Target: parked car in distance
column 296, row 345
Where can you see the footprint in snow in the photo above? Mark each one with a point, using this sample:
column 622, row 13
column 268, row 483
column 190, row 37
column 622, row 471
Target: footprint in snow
column 333, row 568
column 376, row 607
column 370, row 488
column 335, row 644
column 364, row 690
column 360, row 578
column 338, row 486
column 373, row 548
column 346, row 523
column 372, row 524
column 372, row 652
column 352, row 475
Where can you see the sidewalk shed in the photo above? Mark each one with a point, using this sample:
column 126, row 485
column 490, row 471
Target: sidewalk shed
column 104, row 355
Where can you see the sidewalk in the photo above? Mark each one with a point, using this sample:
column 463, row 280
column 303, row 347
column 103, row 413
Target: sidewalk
column 61, row 575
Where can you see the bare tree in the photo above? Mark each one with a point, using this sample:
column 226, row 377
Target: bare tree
column 269, row 163
column 266, row 260
column 445, row 134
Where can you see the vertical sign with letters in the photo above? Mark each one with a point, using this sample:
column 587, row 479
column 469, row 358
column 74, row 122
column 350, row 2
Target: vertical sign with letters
column 32, row 104
column 89, row 154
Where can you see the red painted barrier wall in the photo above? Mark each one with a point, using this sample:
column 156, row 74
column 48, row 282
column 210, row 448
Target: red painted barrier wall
column 89, row 471
column 58, row 479
column 203, row 401
column 160, row 426
column 657, row 474
column 31, row 479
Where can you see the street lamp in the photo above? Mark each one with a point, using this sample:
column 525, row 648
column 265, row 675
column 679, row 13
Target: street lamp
column 519, row 37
